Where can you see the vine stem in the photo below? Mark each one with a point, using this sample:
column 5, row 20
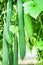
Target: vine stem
column 40, row 28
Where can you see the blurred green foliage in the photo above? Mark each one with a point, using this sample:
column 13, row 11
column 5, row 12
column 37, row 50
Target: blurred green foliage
column 35, row 9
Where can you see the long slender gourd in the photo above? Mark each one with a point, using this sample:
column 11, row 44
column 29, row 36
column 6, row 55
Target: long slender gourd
column 5, row 50
column 7, row 36
column 15, row 55
column 28, row 25
column 10, row 46
column 10, row 55
column 21, row 29
column 9, row 15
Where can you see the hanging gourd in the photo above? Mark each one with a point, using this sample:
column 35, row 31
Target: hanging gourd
column 5, row 49
column 21, row 29
column 28, row 25
column 15, row 55
column 8, row 34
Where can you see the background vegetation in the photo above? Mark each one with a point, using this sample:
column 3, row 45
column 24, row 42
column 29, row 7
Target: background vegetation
column 33, row 23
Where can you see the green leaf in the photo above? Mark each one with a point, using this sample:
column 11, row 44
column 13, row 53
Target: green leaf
column 13, row 29
column 40, row 4
column 31, row 8
column 1, row 1
column 40, row 45
column 26, row 7
column 25, row 0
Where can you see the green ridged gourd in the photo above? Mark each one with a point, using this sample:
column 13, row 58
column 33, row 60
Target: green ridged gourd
column 21, row 29
column 8, row 34
column 15, row 55
column 28, row 25
column 5, row 50
column 29, row 28
column 9, row 39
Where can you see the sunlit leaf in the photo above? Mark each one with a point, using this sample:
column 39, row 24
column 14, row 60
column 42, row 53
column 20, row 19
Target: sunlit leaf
column 40, row 4
column 40, row 45
column 13, row 29
column 32, row 9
